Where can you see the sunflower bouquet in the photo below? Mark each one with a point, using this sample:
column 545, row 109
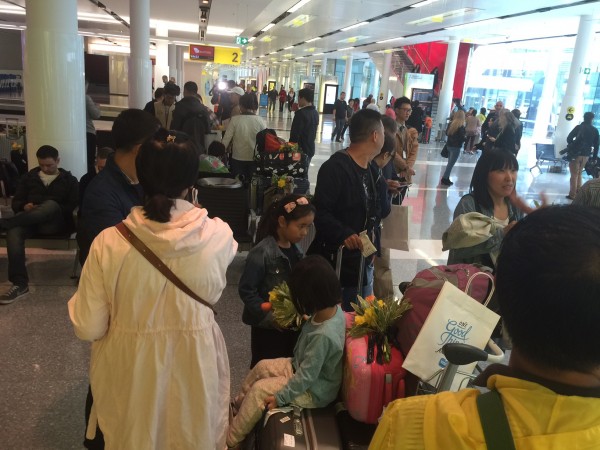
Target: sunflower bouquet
column 281, row 304
column 376, row 318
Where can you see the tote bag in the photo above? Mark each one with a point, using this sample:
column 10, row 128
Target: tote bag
column 455, row 317
column 394, row 229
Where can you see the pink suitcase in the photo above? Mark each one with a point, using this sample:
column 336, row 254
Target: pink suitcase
column 368, row 387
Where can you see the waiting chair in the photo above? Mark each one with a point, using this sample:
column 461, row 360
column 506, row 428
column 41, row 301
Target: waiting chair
column 546, row 152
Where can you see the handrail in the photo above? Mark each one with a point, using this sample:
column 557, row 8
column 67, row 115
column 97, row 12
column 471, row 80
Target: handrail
column 423, row 63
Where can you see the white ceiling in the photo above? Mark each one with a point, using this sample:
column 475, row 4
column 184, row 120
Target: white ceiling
column 519, row 20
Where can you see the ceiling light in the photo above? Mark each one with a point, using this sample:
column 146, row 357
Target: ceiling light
column 423, row 3
column 356, row 25
column 297, row 6
column 268, row 27
column 344, row 49
column 298, row 21
column 287, row 48
column 300, row 57
column 317, row 54
column 266, row 38
column 389, row 40
column 313, row 40
column 251, row 39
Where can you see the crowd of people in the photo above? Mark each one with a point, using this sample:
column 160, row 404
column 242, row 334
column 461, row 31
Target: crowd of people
column 160, row 376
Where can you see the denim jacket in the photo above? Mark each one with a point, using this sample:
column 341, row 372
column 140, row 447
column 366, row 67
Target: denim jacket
column 266, row 267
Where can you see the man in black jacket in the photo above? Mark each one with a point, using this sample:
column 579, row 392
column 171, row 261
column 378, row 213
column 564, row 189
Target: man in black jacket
column 347, row 202
column 191, row 116
column 305, row 123
column 43, row 204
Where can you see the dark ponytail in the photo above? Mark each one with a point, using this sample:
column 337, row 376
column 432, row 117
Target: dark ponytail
column 165, row 169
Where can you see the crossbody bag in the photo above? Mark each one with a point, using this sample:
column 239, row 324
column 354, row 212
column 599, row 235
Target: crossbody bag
column 156, row 262
column 494, row 422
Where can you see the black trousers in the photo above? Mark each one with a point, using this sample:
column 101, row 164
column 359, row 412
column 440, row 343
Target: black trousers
column 98, row 442
column 270, row 344
column 91, row 151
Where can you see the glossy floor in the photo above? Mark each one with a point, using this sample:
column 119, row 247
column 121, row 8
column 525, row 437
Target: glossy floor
column 43, row 380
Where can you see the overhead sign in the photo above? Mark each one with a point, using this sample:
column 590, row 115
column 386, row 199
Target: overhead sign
column 202, row 52
column 586, row 71
column 571, row 110
column 224, row 55
column 219, row 55
column 240, row 40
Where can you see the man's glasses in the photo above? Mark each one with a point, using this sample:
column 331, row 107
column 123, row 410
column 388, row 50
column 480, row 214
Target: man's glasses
column 405, row 110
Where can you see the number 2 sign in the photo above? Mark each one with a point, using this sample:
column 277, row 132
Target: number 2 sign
column 226, row 55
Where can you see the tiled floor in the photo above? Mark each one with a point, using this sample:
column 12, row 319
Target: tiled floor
column 43, row 378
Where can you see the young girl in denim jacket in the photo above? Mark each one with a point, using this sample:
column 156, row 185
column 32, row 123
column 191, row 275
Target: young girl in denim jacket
column 268, row 264
column 312, row 377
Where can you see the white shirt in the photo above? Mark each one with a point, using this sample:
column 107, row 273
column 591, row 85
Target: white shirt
column 242, row 133
column 47, row 179
column 373, row 106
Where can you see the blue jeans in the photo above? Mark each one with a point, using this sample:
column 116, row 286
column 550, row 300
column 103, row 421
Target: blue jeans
column 453, row 153
column 337, row 131
column 46, row 219
column 349, row 293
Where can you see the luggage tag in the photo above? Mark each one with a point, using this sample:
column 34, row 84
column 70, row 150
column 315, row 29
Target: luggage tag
column 368, row 247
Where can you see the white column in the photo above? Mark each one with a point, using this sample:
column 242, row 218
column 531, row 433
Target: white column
column 309, row 68
column 385, row 82
column 324, row 66
column 172, row 52
column 179, row 64
column 53, row 63
column 445, row 101
column 162, row 54
column 544, row 109
column 574, row 94
column 290, row 75
column 140, row 66
column 348, row 76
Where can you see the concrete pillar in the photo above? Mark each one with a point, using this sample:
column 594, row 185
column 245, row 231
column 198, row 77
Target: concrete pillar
column 348, row 77
column 443, row 111
column 572, row 102
column 309, row 68
column 54, row 83
column 179, row 64
column 324, row 66
column 162, row 54
column 385, row 82
column 172, row 53
column 140, row 66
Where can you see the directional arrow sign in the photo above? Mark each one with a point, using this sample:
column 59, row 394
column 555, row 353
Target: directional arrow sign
column 240, row 40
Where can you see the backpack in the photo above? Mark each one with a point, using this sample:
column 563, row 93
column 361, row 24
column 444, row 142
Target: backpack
column 267, row 141
column 423, row 290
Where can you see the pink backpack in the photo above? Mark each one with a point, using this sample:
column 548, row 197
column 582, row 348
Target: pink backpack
column 424, row 289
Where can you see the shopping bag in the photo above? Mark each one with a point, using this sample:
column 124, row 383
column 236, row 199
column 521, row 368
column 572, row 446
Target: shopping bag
column 394, row 229
column 455, row 317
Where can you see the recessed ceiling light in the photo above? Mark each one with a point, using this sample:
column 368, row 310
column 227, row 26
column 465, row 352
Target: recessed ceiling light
column 268, row 27
column 474, row 24
column 356, row 25
column 390, row 40
column 288, row 47
column 313, row 39
column 317, row 54
column 344, row 49
column 297, row 6
column 423, row 3
column 251, row 39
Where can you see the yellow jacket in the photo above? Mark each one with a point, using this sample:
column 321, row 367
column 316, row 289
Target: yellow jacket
column 539, row 419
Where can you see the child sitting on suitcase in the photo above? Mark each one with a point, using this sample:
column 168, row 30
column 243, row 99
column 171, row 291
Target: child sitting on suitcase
column 312, row 378
column 268, row 264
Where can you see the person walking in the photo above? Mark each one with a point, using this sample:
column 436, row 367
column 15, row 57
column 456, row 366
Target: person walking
column 583, row 140
column 456, row 137
column 339, row 114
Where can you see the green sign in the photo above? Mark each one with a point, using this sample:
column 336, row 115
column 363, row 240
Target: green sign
column 241, row 40
column 586, row 71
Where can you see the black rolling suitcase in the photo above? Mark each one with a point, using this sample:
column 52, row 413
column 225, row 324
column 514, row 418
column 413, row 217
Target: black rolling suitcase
column 300, row 429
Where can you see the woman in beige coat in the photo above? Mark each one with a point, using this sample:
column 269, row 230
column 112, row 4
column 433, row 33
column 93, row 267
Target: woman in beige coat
column 159, row 370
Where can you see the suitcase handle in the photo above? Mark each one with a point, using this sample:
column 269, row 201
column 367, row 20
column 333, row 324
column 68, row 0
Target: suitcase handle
column 338, row 267
column 388, row 394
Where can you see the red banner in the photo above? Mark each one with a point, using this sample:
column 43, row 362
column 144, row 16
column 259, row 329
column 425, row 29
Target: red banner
column 202, row 52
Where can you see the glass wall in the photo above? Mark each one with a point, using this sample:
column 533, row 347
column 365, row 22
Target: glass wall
column 516, row 73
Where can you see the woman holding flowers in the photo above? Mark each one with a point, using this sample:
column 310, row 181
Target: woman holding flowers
column 269, row 264
column 312, row 377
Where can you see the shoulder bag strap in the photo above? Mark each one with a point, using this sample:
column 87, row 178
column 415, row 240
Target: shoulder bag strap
column 156, row 262
column 494, row 422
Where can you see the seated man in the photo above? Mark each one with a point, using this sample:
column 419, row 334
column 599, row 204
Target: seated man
column 548, row 286
column 43, row 204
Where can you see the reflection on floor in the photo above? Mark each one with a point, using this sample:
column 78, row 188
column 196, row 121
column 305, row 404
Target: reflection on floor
column 44, row 366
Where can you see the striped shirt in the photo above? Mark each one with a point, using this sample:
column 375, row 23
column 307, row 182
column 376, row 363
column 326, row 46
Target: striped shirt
column 589, row 194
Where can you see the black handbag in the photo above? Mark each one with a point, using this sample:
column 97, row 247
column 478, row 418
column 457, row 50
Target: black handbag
column 445, row 151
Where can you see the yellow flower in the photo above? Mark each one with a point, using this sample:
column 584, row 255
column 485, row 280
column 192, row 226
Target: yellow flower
column 281, row 183
column 380, row 303
column 359, row 320
column 272, row 296
column 370, row 316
